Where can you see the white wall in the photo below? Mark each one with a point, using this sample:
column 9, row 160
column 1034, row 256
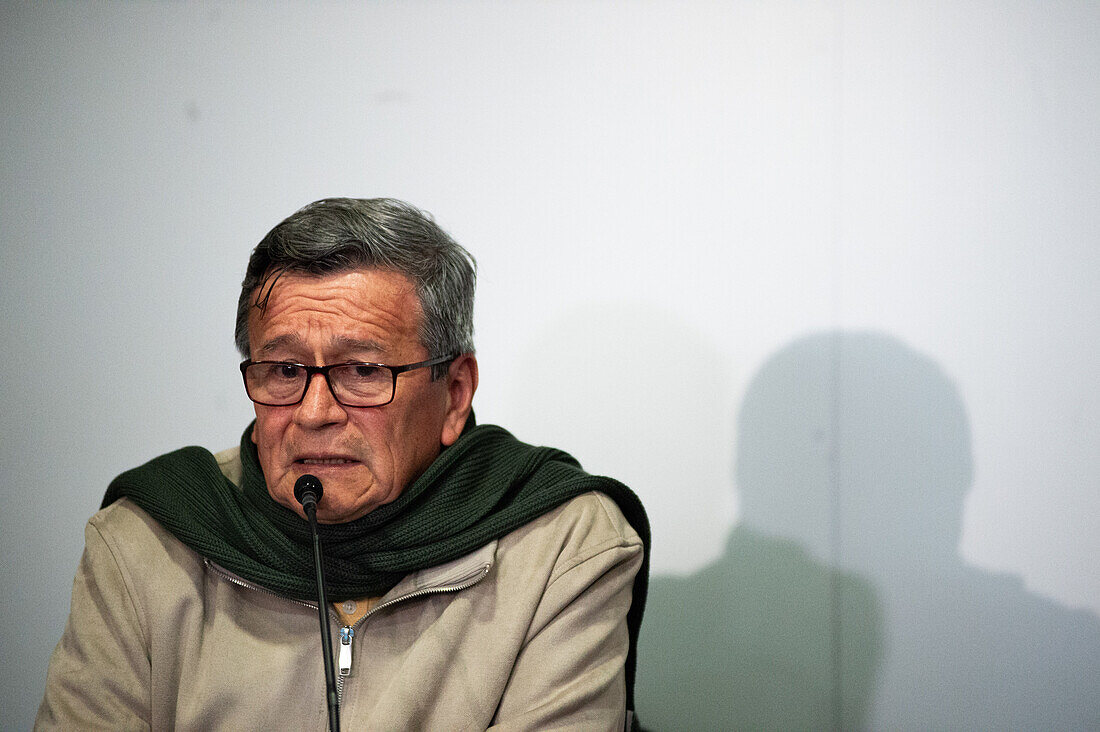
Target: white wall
column 661, row 197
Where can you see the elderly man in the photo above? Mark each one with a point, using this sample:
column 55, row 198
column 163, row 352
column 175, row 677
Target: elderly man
column 476, row 581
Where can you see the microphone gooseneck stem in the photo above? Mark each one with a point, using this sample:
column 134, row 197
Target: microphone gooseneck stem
column 322, row 613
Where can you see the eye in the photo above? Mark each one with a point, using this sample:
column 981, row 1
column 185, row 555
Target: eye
column 365, row 372
column 288, row 371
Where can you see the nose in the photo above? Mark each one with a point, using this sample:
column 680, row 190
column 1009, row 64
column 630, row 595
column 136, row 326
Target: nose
column 319, row 407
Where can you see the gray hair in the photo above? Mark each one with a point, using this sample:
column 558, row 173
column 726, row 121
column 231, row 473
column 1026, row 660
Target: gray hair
column 337, row 235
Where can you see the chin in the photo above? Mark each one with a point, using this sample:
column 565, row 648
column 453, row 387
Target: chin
column 338, row 506
column 341, row 514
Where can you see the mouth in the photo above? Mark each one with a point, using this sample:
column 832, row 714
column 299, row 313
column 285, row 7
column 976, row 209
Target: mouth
column 326, row 462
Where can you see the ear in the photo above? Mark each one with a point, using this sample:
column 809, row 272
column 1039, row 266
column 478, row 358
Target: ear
column 461, row 385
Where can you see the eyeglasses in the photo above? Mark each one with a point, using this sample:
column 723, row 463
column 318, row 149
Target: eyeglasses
column 283, row 383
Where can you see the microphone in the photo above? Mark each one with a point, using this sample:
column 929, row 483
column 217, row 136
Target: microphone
column 308, row 489
column 308, row 492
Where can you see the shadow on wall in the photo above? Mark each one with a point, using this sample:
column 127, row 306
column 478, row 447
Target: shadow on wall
column 841, row 601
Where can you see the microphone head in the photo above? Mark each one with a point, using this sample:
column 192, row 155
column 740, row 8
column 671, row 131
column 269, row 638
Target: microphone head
column 308, row 488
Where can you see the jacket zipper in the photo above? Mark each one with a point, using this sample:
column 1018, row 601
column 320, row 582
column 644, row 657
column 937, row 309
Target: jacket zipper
column 224, row 574
column 346, row 635
column 347, row 632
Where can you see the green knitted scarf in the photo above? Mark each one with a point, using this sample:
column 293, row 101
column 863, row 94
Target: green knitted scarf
column 482, row 487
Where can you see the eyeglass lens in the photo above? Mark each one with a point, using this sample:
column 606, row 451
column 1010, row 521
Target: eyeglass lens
column 355, row 385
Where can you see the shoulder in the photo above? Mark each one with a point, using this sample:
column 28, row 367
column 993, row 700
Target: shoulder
column 229, row 461
column 137, row 543
column 128, row 530
column 581, row 529
column 598, row 516
column 589, row 518
column 124, row 519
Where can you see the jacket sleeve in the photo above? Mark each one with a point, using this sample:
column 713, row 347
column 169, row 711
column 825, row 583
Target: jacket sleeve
column 99, row 673
column 570, row 673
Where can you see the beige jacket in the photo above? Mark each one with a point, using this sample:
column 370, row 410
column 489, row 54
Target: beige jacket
column 528, row 632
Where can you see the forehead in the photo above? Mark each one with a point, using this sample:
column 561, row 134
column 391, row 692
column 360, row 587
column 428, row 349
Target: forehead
column 367, row 306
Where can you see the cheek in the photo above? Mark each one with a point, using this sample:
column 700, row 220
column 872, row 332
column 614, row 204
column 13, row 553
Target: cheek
column 421, row 435
column 267, row 435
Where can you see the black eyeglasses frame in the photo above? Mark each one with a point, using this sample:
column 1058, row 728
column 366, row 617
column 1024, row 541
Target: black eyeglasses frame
column 311, row 371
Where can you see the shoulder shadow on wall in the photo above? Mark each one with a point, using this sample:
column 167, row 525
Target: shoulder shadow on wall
column 841, row 601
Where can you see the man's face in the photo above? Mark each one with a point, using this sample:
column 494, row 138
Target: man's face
column 364, row 456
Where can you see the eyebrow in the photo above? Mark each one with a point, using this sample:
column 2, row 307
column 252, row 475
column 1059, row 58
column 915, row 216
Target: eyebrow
column 344, row 343
column 284, row 341
column 337, row 343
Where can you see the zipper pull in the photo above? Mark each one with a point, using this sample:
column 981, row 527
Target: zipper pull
column 346, row 634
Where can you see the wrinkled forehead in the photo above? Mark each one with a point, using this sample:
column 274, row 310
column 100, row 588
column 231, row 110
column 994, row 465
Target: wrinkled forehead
column 359, row 310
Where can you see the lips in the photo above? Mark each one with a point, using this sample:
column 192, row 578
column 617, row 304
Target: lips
column 322, row 460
